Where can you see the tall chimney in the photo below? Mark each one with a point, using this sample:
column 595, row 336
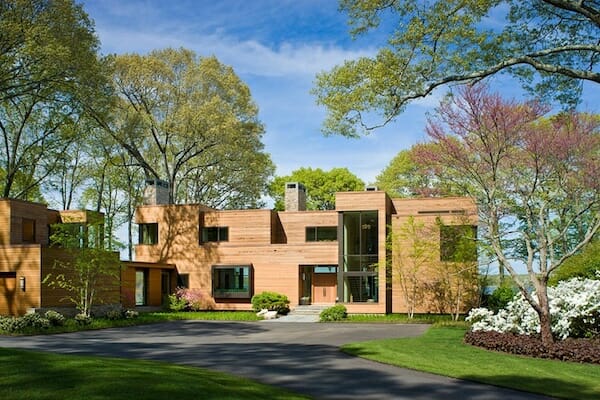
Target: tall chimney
column 295, row 197
column 156, row 192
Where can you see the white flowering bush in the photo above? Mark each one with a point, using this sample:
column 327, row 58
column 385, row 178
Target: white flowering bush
column 574, row 304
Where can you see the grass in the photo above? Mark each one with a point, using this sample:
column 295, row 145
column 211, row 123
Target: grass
column 143, row 318
column 441, row 351
column 38, row 376
column 399, row 318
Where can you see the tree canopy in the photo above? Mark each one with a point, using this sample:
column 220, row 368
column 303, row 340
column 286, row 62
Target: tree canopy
column 49, row 71
column 191, row 121
column 320, row 185
column 550, row 45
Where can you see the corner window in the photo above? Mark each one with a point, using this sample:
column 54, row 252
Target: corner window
column 458, row 243
column 232, row 282
column 148, row 233
column 214, row 234
column 28, row 226
column 321, row 233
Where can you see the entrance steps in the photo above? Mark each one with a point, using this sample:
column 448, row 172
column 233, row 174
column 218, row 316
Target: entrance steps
column 302, row 314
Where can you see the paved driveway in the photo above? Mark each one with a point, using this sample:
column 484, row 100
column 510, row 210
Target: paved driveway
column 303, row 357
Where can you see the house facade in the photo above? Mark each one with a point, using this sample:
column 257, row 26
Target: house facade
column 313, row 257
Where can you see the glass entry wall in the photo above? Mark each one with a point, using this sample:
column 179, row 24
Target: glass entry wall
column 359, row 257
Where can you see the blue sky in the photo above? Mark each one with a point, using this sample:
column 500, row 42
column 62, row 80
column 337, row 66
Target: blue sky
column 276, row 47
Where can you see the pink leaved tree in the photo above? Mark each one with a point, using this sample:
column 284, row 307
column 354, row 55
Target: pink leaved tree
column 536, row 180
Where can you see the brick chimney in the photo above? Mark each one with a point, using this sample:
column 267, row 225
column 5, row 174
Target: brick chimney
column 295, row 197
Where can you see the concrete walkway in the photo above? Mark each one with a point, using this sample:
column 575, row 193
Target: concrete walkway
column 303, row 357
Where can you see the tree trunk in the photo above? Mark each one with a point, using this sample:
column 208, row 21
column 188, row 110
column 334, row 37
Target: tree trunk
column 544, row 315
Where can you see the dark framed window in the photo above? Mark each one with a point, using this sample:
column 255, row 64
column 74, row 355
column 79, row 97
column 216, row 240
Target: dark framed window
column 321, row 233
column 148, row 233
column 360, row 257
column 214, row 234
column 232, row 282
column 28, row 226
column 458, row 243
column 183, row 280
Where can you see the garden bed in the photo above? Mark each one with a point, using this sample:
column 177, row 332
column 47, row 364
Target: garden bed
column 575, row 350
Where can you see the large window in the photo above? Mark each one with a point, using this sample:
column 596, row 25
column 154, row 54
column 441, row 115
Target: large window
column 360, row 256
column 232, row 281
column 214, row 234
column 458, row 243
column 321, row 233
column 148, row 233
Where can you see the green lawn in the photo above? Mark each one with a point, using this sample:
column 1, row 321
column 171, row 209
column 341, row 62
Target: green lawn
column 36, row 376
column 400, row 318
column 441, row 351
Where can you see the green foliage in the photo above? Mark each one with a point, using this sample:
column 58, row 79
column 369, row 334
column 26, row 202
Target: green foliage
column 83, row 319
column 55, row 318
column 585, row 264
column 176, row 303
column 191, row 121
column 320, row 185
column 32, row 321
column 337, row 312
column 271, row 301
column 404, row 176
column 434, row 43
column 501, row 296
column 89, row 270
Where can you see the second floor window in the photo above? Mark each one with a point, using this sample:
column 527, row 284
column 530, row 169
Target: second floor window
column 214, row 234
column 148, row 233
column 321, row 233
column 28, row 230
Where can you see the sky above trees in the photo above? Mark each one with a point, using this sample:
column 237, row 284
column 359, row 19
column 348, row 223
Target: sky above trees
column 277, row 47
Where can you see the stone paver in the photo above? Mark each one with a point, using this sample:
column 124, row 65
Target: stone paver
column 303, row 357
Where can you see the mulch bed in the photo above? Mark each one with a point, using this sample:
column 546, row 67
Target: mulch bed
column 576, row 350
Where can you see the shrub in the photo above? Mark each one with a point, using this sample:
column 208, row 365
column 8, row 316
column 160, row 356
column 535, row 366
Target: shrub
column 334, row 313
column 35, row 321
column 83, row 319
column 271, row 301
column 131, row 314
column 55, row 318
column 500, row 297
column 176, row 303
column 574, row 308
column 114, row 313
column 11, row 324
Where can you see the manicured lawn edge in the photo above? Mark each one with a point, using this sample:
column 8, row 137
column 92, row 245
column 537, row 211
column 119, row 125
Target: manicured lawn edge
column 441, row 351
column 28, row 375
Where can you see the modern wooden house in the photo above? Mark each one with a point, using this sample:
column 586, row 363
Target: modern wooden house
column 313, row 257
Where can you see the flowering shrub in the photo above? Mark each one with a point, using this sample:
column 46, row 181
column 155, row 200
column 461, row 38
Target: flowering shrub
column 574, row 309
column 131, row 314
column 189, row 299
column 55, row 318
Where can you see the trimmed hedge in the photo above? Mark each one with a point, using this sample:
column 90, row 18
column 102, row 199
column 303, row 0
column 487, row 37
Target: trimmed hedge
column 271, row 301
column 334, row 313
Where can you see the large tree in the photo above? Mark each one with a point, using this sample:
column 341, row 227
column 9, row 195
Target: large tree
column 48, row 70
column 550, row 45
column 191, row 121
column 320, row 185
column 535, row 180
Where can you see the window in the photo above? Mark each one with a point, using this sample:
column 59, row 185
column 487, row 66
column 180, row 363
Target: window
column 321, row 233
column 458, row 243
column 232, row 282
column 148, row 233
column 360, row 257
column 215, row 234
column 183, row 280
column 28, row 230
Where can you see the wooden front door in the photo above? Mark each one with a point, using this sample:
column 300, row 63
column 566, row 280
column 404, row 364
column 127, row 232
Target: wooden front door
column 324, row 288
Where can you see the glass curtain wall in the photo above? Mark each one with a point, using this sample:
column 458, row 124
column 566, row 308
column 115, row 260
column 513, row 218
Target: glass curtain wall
column 360, row 257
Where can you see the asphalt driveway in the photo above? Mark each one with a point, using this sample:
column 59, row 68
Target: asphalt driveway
column 303, row 357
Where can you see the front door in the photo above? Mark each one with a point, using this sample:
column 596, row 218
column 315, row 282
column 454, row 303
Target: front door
column 324, row 288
